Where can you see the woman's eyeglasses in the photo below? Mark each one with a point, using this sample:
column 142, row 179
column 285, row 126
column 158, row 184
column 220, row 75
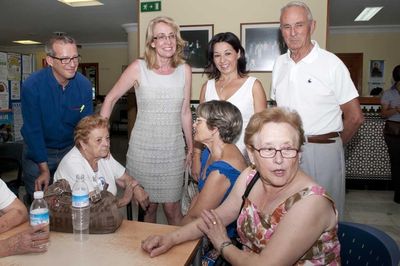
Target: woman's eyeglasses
column 271, row 152
column 164, row 38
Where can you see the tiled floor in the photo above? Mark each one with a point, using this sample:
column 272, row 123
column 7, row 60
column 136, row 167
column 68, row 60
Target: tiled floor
column 375, row 208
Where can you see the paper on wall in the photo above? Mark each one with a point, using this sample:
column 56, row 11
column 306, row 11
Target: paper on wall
column 4, row 97
column 15, row 90
column 26, row 64
column 18, row 121
column 3, row 66
column 14, row 66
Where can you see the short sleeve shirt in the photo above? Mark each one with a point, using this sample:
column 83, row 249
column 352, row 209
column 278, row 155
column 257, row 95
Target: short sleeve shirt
column 6, row 195
column 315, row 87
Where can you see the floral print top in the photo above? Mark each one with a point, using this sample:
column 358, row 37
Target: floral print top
column 255, row 229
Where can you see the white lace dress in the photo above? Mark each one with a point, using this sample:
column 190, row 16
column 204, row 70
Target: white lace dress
column 156, row 152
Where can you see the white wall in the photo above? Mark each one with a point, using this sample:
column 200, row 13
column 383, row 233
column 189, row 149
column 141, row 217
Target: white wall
column 110, row 58
column 374, row 46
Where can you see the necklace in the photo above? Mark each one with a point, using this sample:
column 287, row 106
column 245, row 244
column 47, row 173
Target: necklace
column 221, row 89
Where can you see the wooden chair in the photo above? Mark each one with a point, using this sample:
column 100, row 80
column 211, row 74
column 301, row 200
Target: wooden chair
column 365, row 245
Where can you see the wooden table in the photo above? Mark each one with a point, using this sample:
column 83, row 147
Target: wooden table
column 120, row 248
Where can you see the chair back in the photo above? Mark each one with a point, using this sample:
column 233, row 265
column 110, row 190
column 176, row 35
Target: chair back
column 365, row 245
column 11, row 159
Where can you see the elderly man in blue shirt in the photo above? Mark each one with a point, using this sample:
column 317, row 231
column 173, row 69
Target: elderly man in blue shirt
column 53, row 101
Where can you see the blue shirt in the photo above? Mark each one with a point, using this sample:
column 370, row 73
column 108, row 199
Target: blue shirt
column 50, row 113
column 228, row 171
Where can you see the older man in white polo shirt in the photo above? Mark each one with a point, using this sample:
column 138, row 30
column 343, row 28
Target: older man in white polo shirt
column 316, row 84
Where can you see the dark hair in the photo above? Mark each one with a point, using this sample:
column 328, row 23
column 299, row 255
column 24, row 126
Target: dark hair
column 224, row 116
column 396, row 73
column 228, row 37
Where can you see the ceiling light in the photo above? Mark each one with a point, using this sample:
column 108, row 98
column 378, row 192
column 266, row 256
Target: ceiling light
column 27, row 42
column 368, row 13
column 81, row 3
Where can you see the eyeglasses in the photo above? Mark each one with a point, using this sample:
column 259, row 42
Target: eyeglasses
column 164, row 38
column 67, row 60
column 271, row 152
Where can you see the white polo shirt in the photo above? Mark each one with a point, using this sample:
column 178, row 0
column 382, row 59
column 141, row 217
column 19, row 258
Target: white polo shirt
column 6, row 196
column 315, row 87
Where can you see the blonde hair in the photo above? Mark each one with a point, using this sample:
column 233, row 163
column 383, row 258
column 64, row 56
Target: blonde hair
column 277, row 115
column 149, row 52
column 86, row 125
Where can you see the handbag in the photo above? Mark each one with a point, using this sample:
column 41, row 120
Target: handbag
column 189, row 191
column 206, row 254
column 392, row 128
column 105, row 217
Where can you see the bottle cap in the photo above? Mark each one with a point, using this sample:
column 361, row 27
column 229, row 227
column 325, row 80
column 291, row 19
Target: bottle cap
column 38, row 195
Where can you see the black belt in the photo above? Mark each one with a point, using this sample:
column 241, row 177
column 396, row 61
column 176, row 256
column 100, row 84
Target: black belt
column 324, row 138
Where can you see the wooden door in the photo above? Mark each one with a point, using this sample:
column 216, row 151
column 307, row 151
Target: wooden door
column 354, row 62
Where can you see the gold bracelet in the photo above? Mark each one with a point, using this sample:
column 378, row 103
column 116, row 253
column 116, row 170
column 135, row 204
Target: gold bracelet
column 224, row 245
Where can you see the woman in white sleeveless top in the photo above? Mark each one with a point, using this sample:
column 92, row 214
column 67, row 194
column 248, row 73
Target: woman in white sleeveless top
column 156, row 154
column 228, row 80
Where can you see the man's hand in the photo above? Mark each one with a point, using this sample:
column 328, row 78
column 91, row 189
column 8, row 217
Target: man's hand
column 44, row 178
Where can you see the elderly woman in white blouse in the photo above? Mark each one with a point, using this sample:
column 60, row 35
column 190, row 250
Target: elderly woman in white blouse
column 91, row 157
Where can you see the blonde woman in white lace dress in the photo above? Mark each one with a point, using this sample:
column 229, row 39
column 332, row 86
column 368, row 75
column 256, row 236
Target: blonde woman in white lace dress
column 156, row 154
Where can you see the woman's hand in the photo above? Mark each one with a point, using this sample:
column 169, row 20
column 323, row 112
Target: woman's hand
column 156, row 245
column 213, row 227
column 32, row 240
column 188, row 162
column 127, row 197
column 196, row 167
column 141, row 196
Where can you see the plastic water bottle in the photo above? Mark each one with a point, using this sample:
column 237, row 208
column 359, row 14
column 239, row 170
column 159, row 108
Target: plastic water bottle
column 39, row 211
column 80, row 209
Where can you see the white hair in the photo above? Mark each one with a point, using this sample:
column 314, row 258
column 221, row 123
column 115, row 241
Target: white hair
column 298, row 4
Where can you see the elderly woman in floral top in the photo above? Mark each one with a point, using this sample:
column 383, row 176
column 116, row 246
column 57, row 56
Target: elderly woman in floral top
column 286, row 219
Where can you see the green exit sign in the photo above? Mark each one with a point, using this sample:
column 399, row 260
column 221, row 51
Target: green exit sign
column 150, row 6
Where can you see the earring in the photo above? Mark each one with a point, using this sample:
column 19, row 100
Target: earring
column 252, row 165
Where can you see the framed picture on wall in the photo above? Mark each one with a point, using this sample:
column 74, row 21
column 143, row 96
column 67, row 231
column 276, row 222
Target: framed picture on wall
column 263, row 43
column 377, row 68
column 196, row 38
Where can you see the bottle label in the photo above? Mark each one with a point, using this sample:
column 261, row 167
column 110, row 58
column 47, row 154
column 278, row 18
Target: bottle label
column 80, row 201
column 39, row 216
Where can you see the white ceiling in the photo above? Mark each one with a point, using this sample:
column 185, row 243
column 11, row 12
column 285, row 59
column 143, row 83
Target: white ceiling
column 38, row 19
